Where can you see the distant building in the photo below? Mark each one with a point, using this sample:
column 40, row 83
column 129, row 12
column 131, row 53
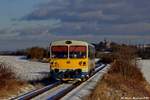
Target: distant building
column 107, row 43
column 142, row 46
column 146, row 45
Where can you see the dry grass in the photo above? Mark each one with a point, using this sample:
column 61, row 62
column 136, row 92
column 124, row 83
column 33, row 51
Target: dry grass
column 125, row 64
column 113, row 87
column 5, row 75
column 126, row 70
column 124, row 79
column 9, row 85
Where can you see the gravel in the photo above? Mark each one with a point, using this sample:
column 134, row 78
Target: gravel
column 24, row 69
column 145, row 68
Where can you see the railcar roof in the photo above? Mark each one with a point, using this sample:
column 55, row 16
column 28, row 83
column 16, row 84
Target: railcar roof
column 73, row 42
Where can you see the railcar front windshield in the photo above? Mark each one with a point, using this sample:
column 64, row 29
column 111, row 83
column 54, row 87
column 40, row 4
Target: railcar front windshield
column 77, row 52
column 59, row 52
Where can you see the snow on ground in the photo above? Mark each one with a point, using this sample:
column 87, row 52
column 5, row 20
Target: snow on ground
column 145, row 68
column 24, row 69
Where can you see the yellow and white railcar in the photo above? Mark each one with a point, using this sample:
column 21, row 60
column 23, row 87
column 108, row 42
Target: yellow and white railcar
column 71, row 59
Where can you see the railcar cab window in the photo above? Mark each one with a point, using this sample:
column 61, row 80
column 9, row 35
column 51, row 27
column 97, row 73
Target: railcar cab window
column 77, row 52
column 59, row 52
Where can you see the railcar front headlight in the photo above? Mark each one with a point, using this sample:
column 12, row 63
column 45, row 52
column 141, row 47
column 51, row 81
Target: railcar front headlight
column 51, row 63
column 84, row 63
column 56, row 63
column 80, row 63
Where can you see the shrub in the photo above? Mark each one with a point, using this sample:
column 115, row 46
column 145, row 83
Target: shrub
column 144, row 52
column 9, row 85
column 36, row 53
column 107, row 58
column 6, row 74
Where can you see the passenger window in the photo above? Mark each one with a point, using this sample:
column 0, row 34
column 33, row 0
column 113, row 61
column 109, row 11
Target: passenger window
column 91, row 53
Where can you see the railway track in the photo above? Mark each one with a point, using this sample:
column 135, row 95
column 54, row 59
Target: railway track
column 57, row 92
column 54, row 91
column 37, row 92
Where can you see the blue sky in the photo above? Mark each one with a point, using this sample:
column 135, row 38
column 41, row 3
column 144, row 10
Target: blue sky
column 25, row 23
column 13, row 9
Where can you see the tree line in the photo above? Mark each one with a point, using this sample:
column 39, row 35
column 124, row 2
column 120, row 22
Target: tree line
column 104, row 50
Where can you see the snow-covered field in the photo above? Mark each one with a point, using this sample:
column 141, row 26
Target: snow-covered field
column 24, row 69
column 30, row 70
column 145, row 68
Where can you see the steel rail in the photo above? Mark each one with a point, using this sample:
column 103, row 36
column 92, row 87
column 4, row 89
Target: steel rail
column 63, row 92
column 37, row 92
